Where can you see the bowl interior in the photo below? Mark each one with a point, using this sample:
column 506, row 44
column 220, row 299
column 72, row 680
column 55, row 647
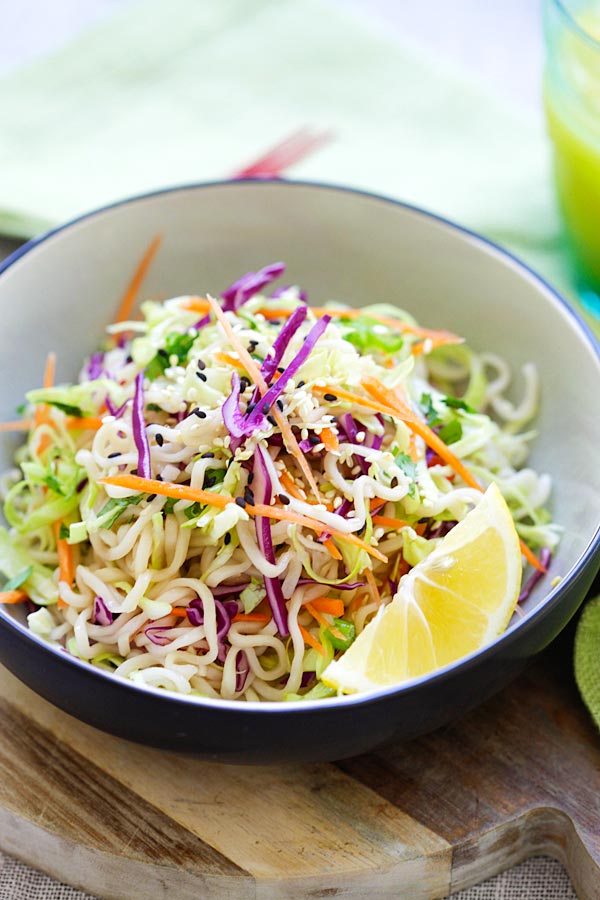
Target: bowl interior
column 339, row 245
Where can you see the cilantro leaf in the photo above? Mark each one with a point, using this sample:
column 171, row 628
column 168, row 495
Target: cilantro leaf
column 63, row 532
column 111, row 510
column 17, row 580
column 431, row 413
column 456, row 403
column 67, row 408
column 176, row 344
column 451, row 432
column 367, row 335
column 406, row 464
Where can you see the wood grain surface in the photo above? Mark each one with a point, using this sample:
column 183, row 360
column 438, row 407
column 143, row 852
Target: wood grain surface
column 518, row 777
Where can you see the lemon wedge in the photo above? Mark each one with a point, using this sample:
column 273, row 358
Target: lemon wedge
column 455, row 601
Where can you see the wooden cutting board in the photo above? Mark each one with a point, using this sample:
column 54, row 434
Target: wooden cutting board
column 518, row 777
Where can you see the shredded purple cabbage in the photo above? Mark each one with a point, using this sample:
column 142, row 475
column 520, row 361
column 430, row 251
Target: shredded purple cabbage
column 101, row 614
column 156, row 634
column 274, row 392
column 201, row 323
column 139, row 429
column 242, row 668
column 263, row 493
column 235, row 421
column 225, row 610
column 338, row 587
column 374, row 441
column 351, row 428
column 250, row 284
column 281, row 342
column 442, row 529
column 224, row 590
column 545, row 560
column 95, row 366
column 306, row 679
column 112, row 409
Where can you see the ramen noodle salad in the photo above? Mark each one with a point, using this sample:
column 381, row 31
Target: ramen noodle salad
column 234, row 487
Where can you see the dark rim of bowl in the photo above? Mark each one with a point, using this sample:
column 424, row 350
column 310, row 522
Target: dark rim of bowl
column 514, row 633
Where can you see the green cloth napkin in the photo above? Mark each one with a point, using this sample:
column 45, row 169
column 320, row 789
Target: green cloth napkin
column 175, row 92
column 587, row 657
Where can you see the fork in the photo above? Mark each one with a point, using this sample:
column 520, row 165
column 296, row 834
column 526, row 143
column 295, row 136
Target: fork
column 286, row 153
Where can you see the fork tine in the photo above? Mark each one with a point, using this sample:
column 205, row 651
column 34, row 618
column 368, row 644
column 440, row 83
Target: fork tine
column 285, row 153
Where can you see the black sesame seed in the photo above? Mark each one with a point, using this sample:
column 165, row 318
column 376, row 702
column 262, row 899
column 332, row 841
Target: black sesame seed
column 201, row 376
column 160, row 440
column 266, row 408
column 252, row 345
column 201, row 365
column 113, row 455
column 314, row 439
column 331, row 398
column 280, row 369
column 208, row 455
column 151, row 497
column 240, row 502
column 250, row 477
column 162, row 352
column 227, row 538
column 159, row 477
column 283, row 498
column 280, row 405
column 300, row 384
column 244, row 383
column 133, row 472
column 250, row 408
column 249, row 496
column 272, row 420
column 200, row 413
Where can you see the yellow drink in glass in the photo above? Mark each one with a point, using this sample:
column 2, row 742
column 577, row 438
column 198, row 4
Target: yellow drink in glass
column 572, row 99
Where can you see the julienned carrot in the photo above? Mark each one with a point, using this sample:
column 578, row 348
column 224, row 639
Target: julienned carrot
column 328, row 605
column 405, row 327
column 133, row 288
column 89, row 423
column 402, row 411
column 42, row 415
column 251, row 617
column 66, row 569
column 329, row 439
column 167, row 489
column 196, row 304
column 312, row 641
column 13, row 597
column 370, row 579
column 389, row 522
column 343, row 394
column 85, row 423
column 18, row 425
column 333, row 550
column 323, row 621
column 255, row 373
column 196, row 495
column 179, row 611
column 229, row 360
column 288, row 483
column 384, row 395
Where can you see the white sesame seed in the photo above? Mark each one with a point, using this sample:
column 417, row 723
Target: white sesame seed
column 360, row 437
column 337, row 502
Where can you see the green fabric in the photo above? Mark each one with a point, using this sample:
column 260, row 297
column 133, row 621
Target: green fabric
column 181, row 91
column 587, row 657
